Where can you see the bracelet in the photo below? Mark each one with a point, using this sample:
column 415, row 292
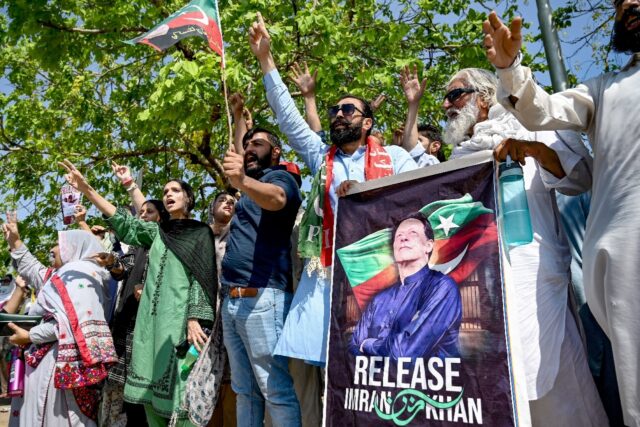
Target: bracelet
column 126, row 182
column 132, row 187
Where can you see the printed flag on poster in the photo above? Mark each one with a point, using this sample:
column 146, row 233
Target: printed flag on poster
column 198, row 18
column 433, row 348
column 464, row 233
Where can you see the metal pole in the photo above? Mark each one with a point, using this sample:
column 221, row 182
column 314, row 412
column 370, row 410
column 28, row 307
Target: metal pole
column 552, row 47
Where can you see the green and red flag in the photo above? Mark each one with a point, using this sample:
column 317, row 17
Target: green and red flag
column 199, row 18
column 465, row 233
column 369, row 265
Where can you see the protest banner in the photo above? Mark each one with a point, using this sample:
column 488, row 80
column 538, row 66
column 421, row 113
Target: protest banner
column 434, row 348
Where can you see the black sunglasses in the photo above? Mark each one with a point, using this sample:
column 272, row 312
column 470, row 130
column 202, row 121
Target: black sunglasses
column 347, row 110
column 453, row 95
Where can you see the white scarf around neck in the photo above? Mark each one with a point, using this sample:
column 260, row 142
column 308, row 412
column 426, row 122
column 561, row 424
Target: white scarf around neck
column 487, row 134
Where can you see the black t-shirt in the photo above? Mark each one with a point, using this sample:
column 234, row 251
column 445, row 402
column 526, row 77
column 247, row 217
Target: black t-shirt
column 258, row 251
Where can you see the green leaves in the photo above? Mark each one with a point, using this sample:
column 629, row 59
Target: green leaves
column 73, row 89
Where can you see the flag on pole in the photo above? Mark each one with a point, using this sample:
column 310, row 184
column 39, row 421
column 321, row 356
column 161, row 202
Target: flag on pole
column 198, row 18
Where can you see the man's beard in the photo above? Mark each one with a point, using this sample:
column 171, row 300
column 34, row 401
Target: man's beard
column 261, row 164
column 623, row 40
column 351, row 131
column 458, row 127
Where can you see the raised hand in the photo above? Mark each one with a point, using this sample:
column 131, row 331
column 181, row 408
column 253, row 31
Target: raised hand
column 236, row 102
column 248, row 118
column 502, row 43
column 305, row 81
column 376, row 103
column 74, row 177
column 80, row 214
column 10, row 229
column 413, row 88
column 259, row 39
column 122, row 172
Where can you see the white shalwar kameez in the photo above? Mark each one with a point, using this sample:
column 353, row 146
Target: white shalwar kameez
column 560, row 388
column 607, row 108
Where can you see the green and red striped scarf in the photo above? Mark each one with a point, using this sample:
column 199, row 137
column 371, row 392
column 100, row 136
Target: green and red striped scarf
column 316, row 228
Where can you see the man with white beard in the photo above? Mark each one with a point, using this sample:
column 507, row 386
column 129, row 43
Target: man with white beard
column 560, row 388
column 605, row 108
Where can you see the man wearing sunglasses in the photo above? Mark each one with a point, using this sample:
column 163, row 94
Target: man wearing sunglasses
column 560, row 388
column 352, row 157
column 606, row 108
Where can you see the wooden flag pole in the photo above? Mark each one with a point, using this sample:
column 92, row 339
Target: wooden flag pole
column 226, row 104
column 224, row 80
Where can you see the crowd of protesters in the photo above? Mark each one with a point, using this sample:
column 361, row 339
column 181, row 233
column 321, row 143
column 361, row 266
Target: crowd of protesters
column 226, row 323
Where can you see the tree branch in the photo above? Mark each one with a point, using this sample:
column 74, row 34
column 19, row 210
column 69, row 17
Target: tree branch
column 80, row 30
column 138, row 153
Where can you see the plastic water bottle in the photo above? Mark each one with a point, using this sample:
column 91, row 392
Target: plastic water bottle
column 15, row 387
column 515, row 209
column 189, row 359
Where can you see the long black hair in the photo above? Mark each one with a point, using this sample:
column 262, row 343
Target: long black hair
column 188, row 191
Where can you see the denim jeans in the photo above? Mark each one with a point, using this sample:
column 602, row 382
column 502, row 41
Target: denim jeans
column 251, row 329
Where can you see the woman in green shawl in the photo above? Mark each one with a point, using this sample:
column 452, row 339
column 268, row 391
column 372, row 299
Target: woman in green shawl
column 176, row 303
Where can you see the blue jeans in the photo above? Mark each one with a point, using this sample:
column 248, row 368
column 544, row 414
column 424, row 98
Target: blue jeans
column 251, row 329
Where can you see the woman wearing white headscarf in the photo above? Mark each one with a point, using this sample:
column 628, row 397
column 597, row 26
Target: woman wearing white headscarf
column 70, row 351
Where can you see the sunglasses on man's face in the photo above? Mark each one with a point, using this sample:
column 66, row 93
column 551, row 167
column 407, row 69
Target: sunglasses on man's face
column 453, row 95
column 348, row 110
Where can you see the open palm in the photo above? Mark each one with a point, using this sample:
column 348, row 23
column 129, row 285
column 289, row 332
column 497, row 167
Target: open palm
column 305, row 81
column 502, row 43
column 413, row 88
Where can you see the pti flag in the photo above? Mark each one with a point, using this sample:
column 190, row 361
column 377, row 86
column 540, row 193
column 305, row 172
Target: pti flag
column 465, row 233
column 198, row 18
column 419, row 331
